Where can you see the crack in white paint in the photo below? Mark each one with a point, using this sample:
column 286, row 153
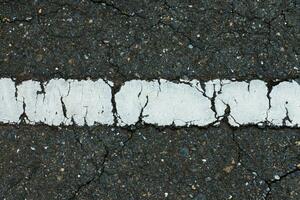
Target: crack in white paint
column 163, row 103
column 248, row 102
column 88, row 102
column 66, row 102
column 10, row 108
column 157, row 102
column 285, row 104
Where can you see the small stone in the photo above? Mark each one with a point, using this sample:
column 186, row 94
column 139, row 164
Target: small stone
column 71, row 61
column 228, row 168
column 59, row 178
column 184, row 152
column 276, row 177
column 39, row 57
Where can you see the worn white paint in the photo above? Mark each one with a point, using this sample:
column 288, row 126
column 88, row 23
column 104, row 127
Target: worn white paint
column 285, row 104
column 43, row 107
column 88, row 102
column 158, row 102
column 65, row 102
column 30, row 93
column 247, row 102
column 180, row 103
column 10, row 108
column 163, row 103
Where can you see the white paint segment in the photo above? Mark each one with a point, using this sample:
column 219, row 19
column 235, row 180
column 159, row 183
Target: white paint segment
column 163, row 103
column 10, row 108
column 43, row 107
column 180, row 103
column 158, row 102
column 88, row 102
column 65, row 102
column 285, row 104
column 247, row 102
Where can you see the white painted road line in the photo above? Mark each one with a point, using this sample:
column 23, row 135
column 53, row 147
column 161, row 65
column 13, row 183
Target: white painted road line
column 57, row 102
column 285, row 104
column 248, row 102
column 158, row 102
column 163, row 103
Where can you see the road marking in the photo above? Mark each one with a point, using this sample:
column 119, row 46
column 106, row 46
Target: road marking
column 56, row 102
column 285, row 104
column 158, row 102
column 248, row 102
column 163, row 103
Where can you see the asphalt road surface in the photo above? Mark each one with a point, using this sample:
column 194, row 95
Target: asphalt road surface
column 138, row 39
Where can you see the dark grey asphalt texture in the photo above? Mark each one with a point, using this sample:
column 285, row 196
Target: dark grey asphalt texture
column 123, row 40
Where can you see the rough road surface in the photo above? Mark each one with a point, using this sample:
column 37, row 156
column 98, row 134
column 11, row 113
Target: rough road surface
column 138, row 39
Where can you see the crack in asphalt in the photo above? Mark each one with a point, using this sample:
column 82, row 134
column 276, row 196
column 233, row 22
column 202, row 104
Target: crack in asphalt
column 99, row 169
column 240, row 154
column 33, row 168
column 98, row 172
column 123, row 71
column 269, row 182
column 283, row 11
column 119, row 10
column 281, row 177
